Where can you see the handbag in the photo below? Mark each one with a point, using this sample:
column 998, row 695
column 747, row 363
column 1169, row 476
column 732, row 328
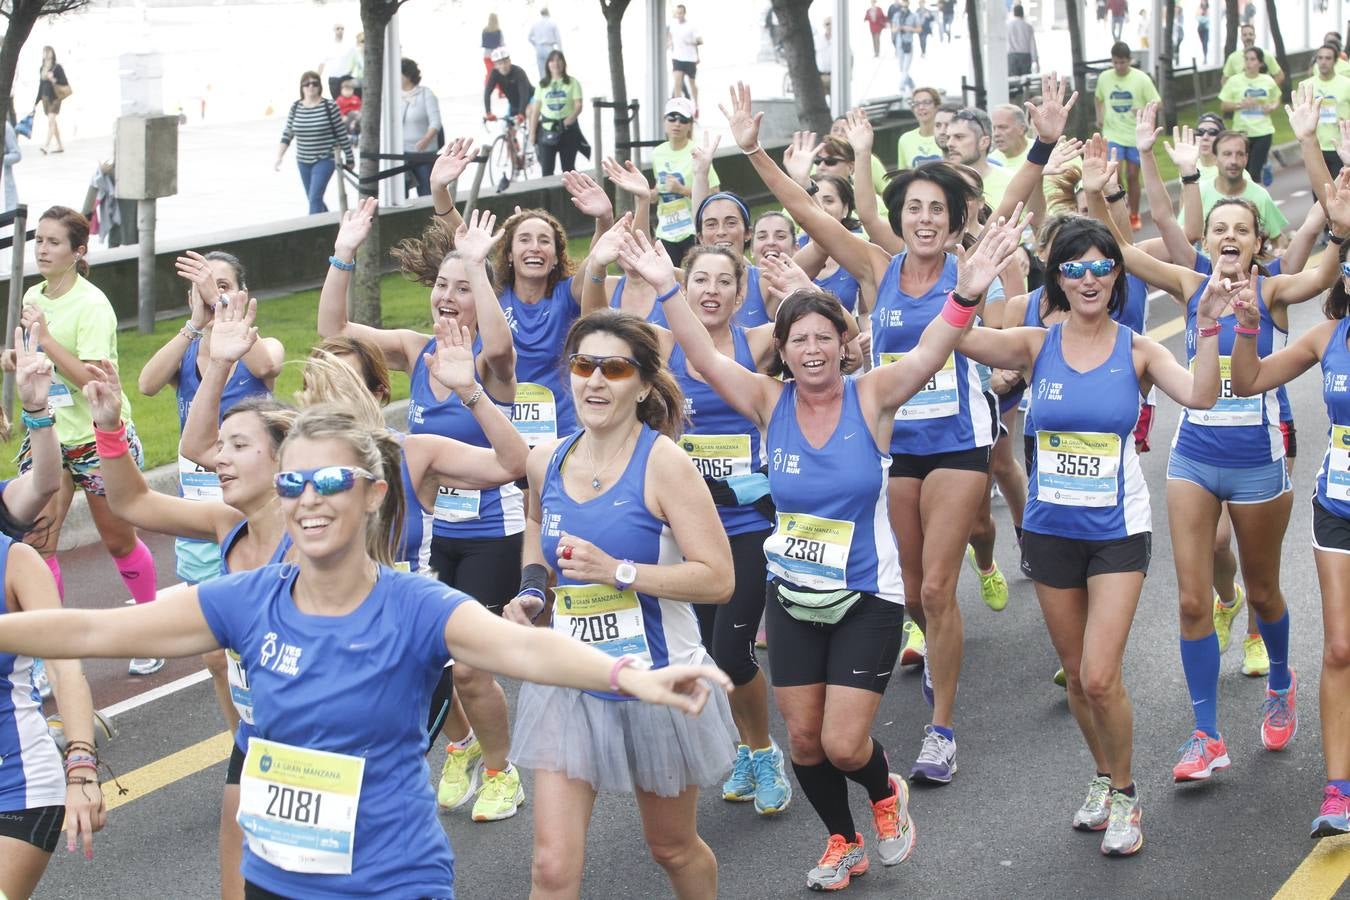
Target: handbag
column 62, row 91
column 551, row 134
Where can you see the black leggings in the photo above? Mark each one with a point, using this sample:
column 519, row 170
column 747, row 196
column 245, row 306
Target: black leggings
column 487, row 569
column 728, row 629
column 1258, row 149
column 566, row 148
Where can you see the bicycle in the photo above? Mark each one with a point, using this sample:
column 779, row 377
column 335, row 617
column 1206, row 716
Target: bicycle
column 511, row 155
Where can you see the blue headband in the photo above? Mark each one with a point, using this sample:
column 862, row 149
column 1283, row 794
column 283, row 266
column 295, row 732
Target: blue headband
column 721, row 195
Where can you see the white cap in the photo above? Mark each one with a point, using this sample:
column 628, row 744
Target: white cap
column 500, row 53
column 681, row 106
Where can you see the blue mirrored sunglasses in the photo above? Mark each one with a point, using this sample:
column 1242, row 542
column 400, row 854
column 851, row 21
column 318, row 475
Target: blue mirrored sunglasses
column 327, row 480
column 1076, row 270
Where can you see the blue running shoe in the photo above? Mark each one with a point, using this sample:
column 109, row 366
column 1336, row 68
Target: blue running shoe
column 1335, row 816
column 1267, row 174
column 773, row 791
column 927, row 684
column 740, row 784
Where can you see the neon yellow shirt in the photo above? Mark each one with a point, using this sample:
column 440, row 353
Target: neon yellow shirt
column 1236, row 62
column 1335, row 92
column 1251, row 122
column 675, row 212
column 1272, row 220
column 556, row 100
column 1120, row 97
column 996, row 181
column 83, row 322
column 1011, row 163
column 913, row 148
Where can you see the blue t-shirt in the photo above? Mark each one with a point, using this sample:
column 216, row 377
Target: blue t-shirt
column 358, row 685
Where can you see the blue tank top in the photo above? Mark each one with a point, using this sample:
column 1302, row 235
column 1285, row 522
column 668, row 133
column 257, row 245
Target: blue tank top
column 833, row 530
column 752, row 311
column 1333, row 478
column 31, row 773
column 618, row 622
column 539, row 330
column 492, row 513
column 721, row 441
column 414, row 552
column 1085, row 478
column 656, row 317
column 955, row 410
column 1204, row 266
column 241, row 695
column 842, row 285
column 242, row 384
column 1239, row 432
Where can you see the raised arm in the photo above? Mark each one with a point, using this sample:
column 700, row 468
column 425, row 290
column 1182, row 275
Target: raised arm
column 1301, row 245
column 161, row 369
column 1308, row 283
column 453, row 159
column 864, row 261
column 590, row 198
column 233, row 335
column 1048, row 118
column 400, row 346
column 604, row 252
column 703, row 153
column 1198, row 388
column 496, row 361
column 629, row 177
column 27, row 495
column 1304, row 113
column 1253, row 374
column 860, row 137
column 1185, row 155
column 750, row 394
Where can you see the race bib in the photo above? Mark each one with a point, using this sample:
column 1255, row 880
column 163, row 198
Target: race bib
column 196, row 482
column 718, row 455
column 1230, row 410
column 674, row 216
column 1077, row 468
column 456, row 504
column 1326, row 115
column 810, row 551
column 534, row 413
column 297, row 807
column 241, row 695
column 603, row 616
column 934, row 400
column 59, row 394
column 1338, row 464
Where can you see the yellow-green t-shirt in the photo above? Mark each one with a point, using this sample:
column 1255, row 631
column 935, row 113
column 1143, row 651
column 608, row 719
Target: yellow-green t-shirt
column 1011, row 163
column 83, row 322
column 1343, row 67
column 1251, row 122
column 913, row 148
column 1272, row 220
column 675, row 212
column 1237, row 62
column 557, row 100
column 1335, row 92
column 1206, row 172
column 1120, row 97
column 996, row 180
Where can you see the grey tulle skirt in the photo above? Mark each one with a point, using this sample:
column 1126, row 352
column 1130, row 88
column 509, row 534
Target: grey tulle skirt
column 620, row 746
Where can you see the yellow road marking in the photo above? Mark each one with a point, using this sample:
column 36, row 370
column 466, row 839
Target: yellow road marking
column 165, row 771
column 1168, row 328
column 1321, row 874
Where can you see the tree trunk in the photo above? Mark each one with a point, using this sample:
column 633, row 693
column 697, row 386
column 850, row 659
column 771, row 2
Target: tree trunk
column 623, row 134
column 1166, row 88
column 977, row 52
column 375, row 17
column 1231, row 20
column 799, row 46
column 1083, row 116
column 1273, row 17
column 20, row 17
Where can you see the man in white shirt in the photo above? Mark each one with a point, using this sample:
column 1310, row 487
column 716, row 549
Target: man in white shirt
column 340, row 62
column 545, row 38
column 682, row 41
column 825, row 52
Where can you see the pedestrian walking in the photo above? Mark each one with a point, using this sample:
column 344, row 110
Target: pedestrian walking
column 683, row 40
column 422, row 132
column 876, row 23
column 545, row 38
column 53, row 89
column 315, row 125
column 1023, row 57
column 339, row 63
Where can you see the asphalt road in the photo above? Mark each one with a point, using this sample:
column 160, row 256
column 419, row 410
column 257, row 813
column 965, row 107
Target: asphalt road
column 1000, row 829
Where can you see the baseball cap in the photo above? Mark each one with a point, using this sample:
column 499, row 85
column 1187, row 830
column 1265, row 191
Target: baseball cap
column 500, row 53
column 681, row 106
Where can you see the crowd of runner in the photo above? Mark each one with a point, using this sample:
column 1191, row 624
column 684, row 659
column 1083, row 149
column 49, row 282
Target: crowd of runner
column 608, row 482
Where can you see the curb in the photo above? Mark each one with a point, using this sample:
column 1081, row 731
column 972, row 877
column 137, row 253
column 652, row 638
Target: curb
column 79, row 530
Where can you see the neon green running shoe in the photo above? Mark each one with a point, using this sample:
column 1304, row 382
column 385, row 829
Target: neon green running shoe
column 500, row 797
column 460, row 776
column 993, row 586
column 1060, row 678
column 1224, row 616
column 916, row 647
column 1255, row 659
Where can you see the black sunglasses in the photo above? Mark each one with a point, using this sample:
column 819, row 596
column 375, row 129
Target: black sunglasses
column 829, row 160
column 311, row 84
column 1207, row 132
column 676, row 117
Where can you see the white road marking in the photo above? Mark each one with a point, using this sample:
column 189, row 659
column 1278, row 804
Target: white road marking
column 154, row 694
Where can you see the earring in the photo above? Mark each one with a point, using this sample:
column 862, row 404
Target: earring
column 642, row 399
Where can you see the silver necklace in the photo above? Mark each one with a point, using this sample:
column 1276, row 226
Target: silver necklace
column 595, row 472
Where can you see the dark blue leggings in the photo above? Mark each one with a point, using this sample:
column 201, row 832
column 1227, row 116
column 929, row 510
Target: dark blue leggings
column 315, row 177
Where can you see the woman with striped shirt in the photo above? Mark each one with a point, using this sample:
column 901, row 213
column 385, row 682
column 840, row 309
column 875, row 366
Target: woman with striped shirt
column 316, row 126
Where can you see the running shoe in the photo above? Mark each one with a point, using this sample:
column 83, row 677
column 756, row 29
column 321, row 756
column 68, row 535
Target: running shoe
column 1135, row 222
column 937, row 759
column 500, row 797
column 895, row 828
column 1279, row 717
column 773, row 791
column 1124, row 829
column 993, row 586
column 761, row 636
column 740, row 784
column 1224, row 615
column 1096, row 808
column 842, row 861
column 1334, row 818
column 927, row 685
column 1255, row 659
column 916, row 647
column 144, row 666
column 1201, row 757
column 460, row 776
column 1060, row 678
column 41, row 682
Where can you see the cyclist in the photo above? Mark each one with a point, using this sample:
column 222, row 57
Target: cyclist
column 515, row 84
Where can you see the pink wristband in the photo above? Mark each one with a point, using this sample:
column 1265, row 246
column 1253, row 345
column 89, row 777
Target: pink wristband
column 111, row 444
column 1211, row 331
column 620, row 664
column 956, row 315
column 1241, row 329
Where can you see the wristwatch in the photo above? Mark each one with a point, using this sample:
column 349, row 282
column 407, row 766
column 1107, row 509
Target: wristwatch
column 625, row 575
